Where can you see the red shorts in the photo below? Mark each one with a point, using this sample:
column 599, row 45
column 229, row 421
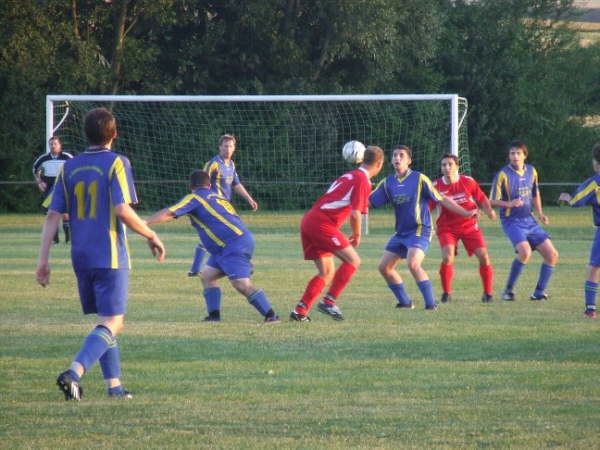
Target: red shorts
column 472, row 238
column 320, row 237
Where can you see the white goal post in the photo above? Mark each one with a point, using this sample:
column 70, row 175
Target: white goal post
column 289, row 146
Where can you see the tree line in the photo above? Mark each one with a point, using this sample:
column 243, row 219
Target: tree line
column 522, row 69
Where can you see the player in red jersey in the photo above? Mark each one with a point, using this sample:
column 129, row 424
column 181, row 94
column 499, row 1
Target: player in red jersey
column 451, row 227
column 348, row 196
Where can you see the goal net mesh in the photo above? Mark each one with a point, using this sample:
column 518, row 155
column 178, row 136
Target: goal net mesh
column 287, row 152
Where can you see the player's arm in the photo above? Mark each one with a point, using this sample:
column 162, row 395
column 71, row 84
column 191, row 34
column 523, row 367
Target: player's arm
column 42, row 273
column 241, row 191
column 130, row 218
column 450, row 204
column 37, row 175
column 486, row 205
column 355, row 224
column 162, row 216
column 536, row 202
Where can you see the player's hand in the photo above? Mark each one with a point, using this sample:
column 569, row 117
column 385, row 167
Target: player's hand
column 354, row 240
column 472, row 213
column 157, row 248
column 515, row 203
column 253, row 204
column 564, row 197
column 42, row 274
column 544, row 219
column 491, row 214
column 42, row 186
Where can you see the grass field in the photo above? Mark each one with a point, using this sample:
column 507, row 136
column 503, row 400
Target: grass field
column 503, row 375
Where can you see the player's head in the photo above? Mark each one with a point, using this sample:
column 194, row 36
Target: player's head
column 449, row 164
column 227, row 144
column 373, row 159
column 401, row 157
column 100, row 126
column 55, row 145
column 199, row 179
column 517, row 153
column 596, row 156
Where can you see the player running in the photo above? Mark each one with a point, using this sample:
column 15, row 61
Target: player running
column 587, row 193
column 516, row 192
column 409, row 192
column 321, row 237
column 227, row 239
column 451, row 227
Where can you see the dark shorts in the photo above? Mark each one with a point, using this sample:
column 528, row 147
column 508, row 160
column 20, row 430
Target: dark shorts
column 235, row 259
column 523, row 229
column 399, row 244
column 103, row 291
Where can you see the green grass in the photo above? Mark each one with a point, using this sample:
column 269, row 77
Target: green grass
column 521, row 375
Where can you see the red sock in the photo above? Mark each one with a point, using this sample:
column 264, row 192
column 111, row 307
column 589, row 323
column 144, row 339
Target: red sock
column 342, row 277
column 312, row 291
column 446, row 274
column 487, row 278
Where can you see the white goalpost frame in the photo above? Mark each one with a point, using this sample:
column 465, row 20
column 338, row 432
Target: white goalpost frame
column 453, row 99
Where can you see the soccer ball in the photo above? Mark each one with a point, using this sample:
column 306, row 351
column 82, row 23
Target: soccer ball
column 353, row 152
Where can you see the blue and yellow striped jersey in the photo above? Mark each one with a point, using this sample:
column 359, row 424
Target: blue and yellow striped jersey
column 409, row 196
column 222, row 176
column 588, row 193
column 89, row 187
column 213, row 217
column 509, row 184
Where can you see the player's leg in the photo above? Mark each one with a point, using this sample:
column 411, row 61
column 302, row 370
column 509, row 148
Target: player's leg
column 523, row 250
column 550, row 255
column 325, row 271
column 486, row 272
column 212, row 292
column 414, row 260
column 256, row 297
column 66, row 228
column 593, row 277
column 387, row 268
column 447, row 271
column 199, row 253
column 341, row 278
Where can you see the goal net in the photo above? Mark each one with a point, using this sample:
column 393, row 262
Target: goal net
column 288, row 147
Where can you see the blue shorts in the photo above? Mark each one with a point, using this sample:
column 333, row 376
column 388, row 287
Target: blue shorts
column 595, row 253
column 523, row 229
column 103, row 291
column 399, row 244
column 234, row 260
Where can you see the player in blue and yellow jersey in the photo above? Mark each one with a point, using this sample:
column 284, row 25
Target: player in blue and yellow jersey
column 228, row 241
column 223, row 179
column 96, row 188
column 588, row 193
column 515, row 190
column 409, row 192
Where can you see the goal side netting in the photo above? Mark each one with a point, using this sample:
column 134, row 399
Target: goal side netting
column 288, row 147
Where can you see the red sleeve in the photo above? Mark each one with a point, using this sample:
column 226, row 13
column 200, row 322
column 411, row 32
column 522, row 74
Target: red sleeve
column 430, row 203
column 360, row 194
column 476, row 191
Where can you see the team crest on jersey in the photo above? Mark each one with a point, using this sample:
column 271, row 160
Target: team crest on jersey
column 401, row 199
column 336, row 241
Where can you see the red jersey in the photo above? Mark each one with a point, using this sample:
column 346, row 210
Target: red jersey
column 467, row 193
column 349, row 192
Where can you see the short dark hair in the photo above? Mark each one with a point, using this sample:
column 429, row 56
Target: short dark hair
column 518, row 144
column 449, row 156
column 403, row 147
column 100, row 126
column 54, row 138
column 596, row 152
column 199, row 178
column 373, row 155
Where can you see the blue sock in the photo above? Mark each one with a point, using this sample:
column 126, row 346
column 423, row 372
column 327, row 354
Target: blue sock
column 259, row 300
column 198, row 258
column 94, row 346
column 110, row 361
column 546, row 272
column 212, row 297
column 515, row 271
column 400, row 293
column 427, row 291
column 591, row 291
